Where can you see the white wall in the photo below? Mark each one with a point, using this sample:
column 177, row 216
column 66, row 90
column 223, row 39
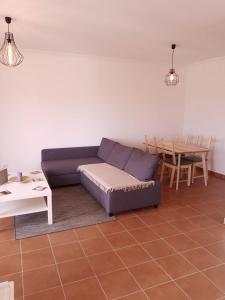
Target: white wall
column 60, row 100
column 205, row 106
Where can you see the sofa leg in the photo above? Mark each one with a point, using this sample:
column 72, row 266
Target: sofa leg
column 156, row 205
column 110, row 214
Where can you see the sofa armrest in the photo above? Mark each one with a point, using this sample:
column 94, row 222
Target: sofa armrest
column 68, row 153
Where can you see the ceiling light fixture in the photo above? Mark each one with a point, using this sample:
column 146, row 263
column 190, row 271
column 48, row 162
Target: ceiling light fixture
column 9, row 54
column 172, row 78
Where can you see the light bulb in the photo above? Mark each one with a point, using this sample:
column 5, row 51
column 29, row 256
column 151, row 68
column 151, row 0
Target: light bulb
column 10, row 53
column 171, row 77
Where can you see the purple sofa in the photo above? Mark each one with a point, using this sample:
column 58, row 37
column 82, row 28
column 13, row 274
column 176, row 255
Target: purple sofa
column 60, row 168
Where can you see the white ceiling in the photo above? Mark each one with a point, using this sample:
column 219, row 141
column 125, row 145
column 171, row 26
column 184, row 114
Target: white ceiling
column 139, row 29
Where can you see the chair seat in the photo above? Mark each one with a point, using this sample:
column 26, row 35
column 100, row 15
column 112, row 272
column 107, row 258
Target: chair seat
column 183, row 162
column 194, row 158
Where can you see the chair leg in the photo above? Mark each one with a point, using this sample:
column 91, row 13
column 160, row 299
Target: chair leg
column 162, row 172
column 189, row 176
column 207, row 170
column 193, row 173
column 172, row 177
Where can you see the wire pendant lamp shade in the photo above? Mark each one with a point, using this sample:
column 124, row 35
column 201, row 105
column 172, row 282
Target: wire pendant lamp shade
column 172, row 78
column 9, row 54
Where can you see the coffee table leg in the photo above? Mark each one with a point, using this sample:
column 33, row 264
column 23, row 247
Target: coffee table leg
column 49, row 203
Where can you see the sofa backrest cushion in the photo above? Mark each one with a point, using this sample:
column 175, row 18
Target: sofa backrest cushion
column 105, row 148
column 142, row 165
column 119, row 156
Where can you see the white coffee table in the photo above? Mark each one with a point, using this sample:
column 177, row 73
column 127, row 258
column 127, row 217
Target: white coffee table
column 7, row 290
column 23, row 199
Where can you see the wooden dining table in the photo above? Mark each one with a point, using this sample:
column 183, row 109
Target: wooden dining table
column 181, row 149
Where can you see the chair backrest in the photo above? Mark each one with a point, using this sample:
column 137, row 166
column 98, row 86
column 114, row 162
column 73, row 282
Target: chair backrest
column 188, row 139
column 193, row 139
column 180, row 139
column 151, row 145
column 206, row 142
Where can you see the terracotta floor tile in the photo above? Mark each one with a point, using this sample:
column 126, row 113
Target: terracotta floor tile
column 176, row 266
column 202, row 236
column 121, row 239
column 152, row 219
column 118, row 284
column 188, row 212
column 218, row 232
column 217, row 216
column 171, row 214
column 218, row 249
column 74, row 270
column 166, row 291
column 40, row 279
column 67, row 252
column 133, row 255
column 6, row 223
column 149, row 274
column 37, row 259
column 35, row 243
column 183, row 225
column 88, row 232
column 105, row 262
column 201, row 258
column 7, row 234
column 217, row 276
column 62, row 237
column 126, row 215
column 135, row 296
column 203, row 222
column 143, row 234
column 164, row 230
column 17, row 278
column 88, row 289
column 52, row 294
column 158, row 248
column 9, row 248
column 147, row 211
column 181, row 242
column 95, row 246
column 10, row 264
column 199, row 287
column 132, row 223
column 111, row 227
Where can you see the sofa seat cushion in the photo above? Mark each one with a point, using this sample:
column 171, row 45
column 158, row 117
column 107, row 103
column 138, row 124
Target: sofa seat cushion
column 142, row 165
column 67, row 166
column 109, row 178
column 119, row 156
column 105, row 148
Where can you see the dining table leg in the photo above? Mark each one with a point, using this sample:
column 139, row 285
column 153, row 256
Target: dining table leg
column 204, row 167
column 178, row 171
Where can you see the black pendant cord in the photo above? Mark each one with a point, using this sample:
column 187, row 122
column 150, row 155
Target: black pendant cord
column 172, row 58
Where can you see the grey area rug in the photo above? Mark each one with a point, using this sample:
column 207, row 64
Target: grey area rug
column 72, row 207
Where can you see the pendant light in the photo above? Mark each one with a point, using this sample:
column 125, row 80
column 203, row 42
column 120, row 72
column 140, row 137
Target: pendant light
column 9, row 54
column 172, row 78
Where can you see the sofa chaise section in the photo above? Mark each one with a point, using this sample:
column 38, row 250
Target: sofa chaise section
column 60, row 164
column 120, row 201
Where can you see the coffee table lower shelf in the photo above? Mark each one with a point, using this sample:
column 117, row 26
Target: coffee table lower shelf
column 22, row 207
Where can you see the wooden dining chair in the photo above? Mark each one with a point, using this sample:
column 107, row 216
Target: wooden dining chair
column 196, row 160
column 170, row 162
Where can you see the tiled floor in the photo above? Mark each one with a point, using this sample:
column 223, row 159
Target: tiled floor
column 176, row 251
